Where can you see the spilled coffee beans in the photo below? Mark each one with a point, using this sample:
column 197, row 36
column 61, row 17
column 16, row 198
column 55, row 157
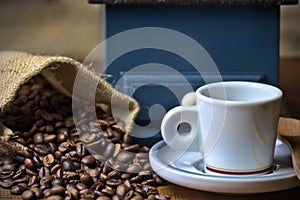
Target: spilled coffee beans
column 60, row 164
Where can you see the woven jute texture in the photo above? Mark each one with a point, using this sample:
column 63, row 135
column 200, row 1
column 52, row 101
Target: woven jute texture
column 18, row 67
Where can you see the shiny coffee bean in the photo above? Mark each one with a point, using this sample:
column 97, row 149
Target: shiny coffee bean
column 103, row 198
column 87, row 180
column 57, row 190
column 81, row 150
column 42, row 149
column 124, row 157
column 88, row 160
column 44, row 171
column 38, row 192
column 17, row 189
column 57, row 181
column 122, row 190
column 28, row 195
column 29, row 163
column 68, row 165
column 54, row 197
column 47, row 116
column 69, row 122
column 38, row 138
column 48, row 160
column 37, row 161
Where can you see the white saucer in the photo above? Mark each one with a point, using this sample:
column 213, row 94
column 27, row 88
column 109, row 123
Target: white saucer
column 177, row 167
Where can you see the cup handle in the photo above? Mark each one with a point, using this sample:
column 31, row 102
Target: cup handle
column 170, row 123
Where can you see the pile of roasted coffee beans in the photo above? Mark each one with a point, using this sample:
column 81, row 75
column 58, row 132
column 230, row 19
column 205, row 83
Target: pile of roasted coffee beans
column 92, row 160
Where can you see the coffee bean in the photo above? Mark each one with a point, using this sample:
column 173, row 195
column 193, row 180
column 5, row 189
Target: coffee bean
column 34, row 129
column 53, row 148
column 54, row 169
column 63, row 130
column 32, row 180
column 46, row 180
column 108, row 190
column 9, row 167
column 49, row 129
column 47, row 116
column 24, row 90
column 88, row 160
column 29, row 163
column 127, row 138
column 109, row 151
column 54, row 197
column 49, row 138
column 113, row 182
column 58, row 155
column 121, row 190
column 81, row 150
column 129, row 195
column 124, row 157
column 61, row 137
column 17, row 189
column 134, row 168
column 28, row 195
column 137, row 197
column 42, row 149
column 37, row 124
column 87, row 180
column 149, row 182
column 87, row 194
column 47, row 192
column 57, row 181
column 38, row 192
column 103, row 198
column 69, row 122
column 114, row 175
column 74, row 193
column 68, row 165
column 57, row 117
column 162, row 197
column 31, row 172
column 38, row 138
column 81, row 186
column 140, row 191
column 48, row 160
column 132, row 148
column 57, row 190
column 94, row 173
column 70, row 176
column 37, row 161
column 44, row 171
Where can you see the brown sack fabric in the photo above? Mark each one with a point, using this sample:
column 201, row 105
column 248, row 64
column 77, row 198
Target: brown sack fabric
column 18, row 67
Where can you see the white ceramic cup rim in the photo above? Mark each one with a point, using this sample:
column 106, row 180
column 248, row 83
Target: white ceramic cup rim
column 271, row 93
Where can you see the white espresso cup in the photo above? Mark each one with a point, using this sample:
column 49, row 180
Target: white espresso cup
column 234, row 127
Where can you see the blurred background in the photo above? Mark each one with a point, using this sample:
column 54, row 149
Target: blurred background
column 65, row 27
column 74, row 27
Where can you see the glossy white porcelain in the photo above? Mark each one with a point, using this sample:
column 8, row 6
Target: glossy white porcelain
column 233, row 126
column 181, row 168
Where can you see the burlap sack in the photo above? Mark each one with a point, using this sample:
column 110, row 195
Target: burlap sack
column 18, row 67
